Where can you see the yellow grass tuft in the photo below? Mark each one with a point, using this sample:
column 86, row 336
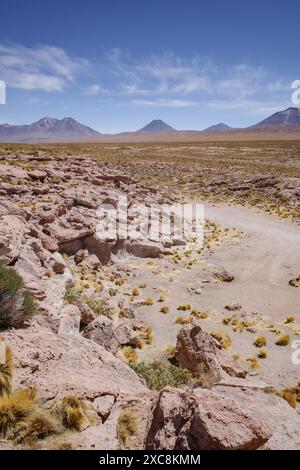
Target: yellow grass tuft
column 6, row 369
column 222, row 338
column 127, row 425
column 72, row 412
column 183, row 320
column 184, row 307
column 149, row 301
column 129, row 355
column 263, row 354
column 135, row 292
column 164, row 309
column 283, row 340
column 260, row 341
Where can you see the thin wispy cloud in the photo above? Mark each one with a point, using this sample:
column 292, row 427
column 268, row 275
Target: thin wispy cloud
column 164, row 103
column 44, row 68
column 162, row 80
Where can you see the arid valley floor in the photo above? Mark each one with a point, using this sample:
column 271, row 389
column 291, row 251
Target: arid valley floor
column 134, row 345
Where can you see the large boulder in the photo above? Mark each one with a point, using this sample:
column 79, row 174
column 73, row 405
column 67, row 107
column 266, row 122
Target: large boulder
column 271, row 409
column 199, row 352
column 203, row 420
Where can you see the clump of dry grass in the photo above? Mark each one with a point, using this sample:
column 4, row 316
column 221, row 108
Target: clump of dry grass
column 127, row 425
column 283, row 340
column 170, row 350
column 129, row 354
column 289, row 319
column 254, row 363
column 263, row 354
column 135, row 292
column 222, row 338
column 184, row 307
column 199, row 315
column 164, row 309
column 23, row 420
column 292, row 395
column 182, row 320
column 149, row 301
column 290, row 398
column 6, row 368
column 72, row 412
column 260, row 341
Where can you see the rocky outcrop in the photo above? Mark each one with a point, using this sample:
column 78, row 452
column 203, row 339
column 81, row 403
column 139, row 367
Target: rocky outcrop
column 203, row 420
column 103, row 331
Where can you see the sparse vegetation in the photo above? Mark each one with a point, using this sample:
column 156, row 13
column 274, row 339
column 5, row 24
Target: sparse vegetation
column 149, row 301
column 159, row 375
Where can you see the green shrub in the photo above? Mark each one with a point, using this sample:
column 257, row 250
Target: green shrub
column 16, row 303
column 71, row 295
column 159, row 375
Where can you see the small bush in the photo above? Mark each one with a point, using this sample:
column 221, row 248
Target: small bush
column 149, row 301
column 158, row 375
column 127, row 425
column 260, row 341
column 71, row 295
column 17, row 304
column 283, row 340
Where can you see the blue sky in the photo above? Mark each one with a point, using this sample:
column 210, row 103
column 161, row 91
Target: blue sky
column 115, row 65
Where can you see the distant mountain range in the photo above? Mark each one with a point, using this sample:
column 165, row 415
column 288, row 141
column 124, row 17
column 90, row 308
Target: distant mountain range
column 51, row 130
column 47, row 128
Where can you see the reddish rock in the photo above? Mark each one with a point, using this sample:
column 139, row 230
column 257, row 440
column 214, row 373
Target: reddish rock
column 203, row 420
